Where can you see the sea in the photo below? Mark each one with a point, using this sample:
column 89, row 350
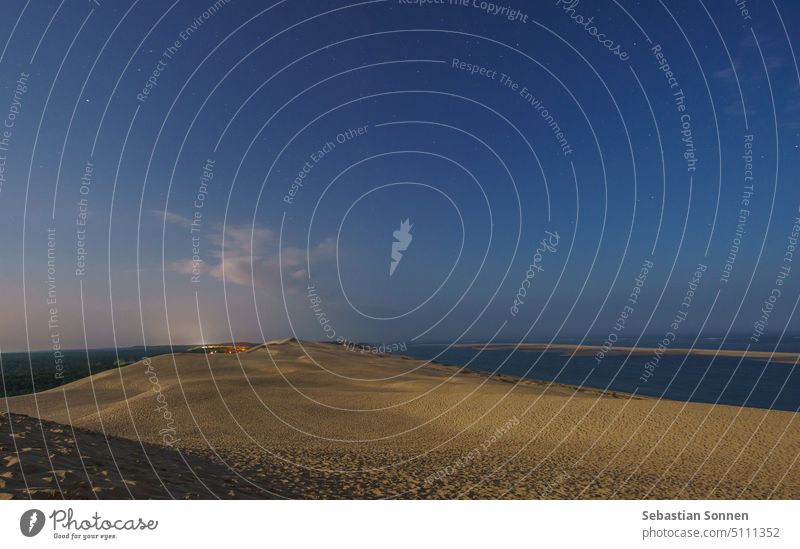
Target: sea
column 686, row 377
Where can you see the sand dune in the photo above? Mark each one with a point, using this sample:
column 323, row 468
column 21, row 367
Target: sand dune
column 313, row 420
column 43, row 460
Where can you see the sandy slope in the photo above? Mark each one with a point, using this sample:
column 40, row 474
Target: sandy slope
column 41, row 459
column 322, row 421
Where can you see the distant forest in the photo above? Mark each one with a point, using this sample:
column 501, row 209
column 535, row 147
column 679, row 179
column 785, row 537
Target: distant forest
column 21, row 375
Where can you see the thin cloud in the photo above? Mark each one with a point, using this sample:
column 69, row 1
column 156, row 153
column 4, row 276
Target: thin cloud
column 171, row 217
column 250, row 256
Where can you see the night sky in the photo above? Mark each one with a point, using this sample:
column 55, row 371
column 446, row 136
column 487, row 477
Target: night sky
column 199, row 171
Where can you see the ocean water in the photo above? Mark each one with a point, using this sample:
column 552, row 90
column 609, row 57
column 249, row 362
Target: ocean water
column 720, row 380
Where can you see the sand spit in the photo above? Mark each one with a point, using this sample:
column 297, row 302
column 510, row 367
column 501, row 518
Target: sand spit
column 313, row 420
column 591, row 350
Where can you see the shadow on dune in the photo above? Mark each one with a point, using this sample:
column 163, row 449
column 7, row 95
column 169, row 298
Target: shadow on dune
column 47, row 460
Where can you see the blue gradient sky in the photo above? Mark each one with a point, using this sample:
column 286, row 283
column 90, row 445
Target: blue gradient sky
column 473, row 165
